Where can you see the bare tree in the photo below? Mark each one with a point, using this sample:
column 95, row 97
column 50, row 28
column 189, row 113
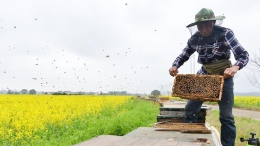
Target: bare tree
column 254, row 67
column 161, row 87
column 168, row 87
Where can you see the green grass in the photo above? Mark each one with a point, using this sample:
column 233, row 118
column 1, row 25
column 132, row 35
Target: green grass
column 244, row 126
column 136, row 113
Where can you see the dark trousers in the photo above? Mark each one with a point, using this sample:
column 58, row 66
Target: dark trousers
column 228, row 128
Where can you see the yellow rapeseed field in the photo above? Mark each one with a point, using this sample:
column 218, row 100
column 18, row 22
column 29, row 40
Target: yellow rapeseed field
column 23, row 115
column 250, row 102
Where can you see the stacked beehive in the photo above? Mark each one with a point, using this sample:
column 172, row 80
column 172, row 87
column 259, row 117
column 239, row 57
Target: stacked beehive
column 194, row 87
column 176, row 113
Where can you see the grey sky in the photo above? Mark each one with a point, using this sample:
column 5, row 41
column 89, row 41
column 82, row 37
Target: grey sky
column 99, row 45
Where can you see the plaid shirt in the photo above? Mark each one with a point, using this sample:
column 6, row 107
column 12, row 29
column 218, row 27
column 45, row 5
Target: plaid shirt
column 212, row 51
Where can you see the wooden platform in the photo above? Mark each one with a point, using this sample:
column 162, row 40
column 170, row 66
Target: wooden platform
column 146, row 136
column 109, row 140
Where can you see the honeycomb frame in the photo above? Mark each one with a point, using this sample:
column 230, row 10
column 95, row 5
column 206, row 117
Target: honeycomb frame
column 198, row 87
column 181, row 126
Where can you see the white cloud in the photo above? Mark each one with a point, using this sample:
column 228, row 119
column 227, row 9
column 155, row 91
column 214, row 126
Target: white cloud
column 79, row 35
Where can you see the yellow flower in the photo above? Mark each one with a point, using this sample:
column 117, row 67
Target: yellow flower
column 24, row 115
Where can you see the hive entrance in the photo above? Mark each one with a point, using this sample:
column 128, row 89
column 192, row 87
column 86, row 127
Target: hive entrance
column 198, row 87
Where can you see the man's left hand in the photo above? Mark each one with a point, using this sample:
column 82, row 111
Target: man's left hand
column 230, row 72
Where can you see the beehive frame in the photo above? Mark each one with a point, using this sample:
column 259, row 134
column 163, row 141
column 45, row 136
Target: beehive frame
column 198, row 87
column 182, row 127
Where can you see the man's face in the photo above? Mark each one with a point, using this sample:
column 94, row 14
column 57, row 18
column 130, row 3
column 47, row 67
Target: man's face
column 205, row 27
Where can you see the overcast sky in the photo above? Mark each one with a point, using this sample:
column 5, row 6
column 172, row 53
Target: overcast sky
column 108, row 45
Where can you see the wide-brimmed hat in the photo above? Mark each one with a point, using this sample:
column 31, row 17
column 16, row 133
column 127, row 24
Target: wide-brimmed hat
column 205, row 15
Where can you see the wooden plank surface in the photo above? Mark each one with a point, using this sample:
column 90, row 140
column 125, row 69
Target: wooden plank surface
column 102, row 140
column 189, row 144
column 108, row 140
column 170, row 142
column 147, row 132
column 145, row 142
column 125, row 141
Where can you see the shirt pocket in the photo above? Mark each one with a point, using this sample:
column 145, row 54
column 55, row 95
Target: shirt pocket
column 218, row 48
column 202, row 50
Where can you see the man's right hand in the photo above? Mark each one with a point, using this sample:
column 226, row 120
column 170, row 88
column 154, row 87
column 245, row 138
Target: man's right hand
column 173, row 71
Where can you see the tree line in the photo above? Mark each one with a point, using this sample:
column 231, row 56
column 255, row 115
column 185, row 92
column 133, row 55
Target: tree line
column 24, row 91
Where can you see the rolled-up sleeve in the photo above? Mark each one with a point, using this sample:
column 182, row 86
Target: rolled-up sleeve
column 184, row 56
column 241, row 55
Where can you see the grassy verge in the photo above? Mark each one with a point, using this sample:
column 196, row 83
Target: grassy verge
column 244, row 126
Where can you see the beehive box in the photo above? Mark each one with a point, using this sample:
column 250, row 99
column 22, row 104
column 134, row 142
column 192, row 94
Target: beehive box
column 198, row 87
column 180, row 111
column 164, row 99
column 177, row 119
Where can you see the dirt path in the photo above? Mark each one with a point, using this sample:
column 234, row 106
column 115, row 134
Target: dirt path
column 241, row 112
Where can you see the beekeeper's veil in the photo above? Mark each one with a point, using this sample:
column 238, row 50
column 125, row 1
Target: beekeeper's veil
column 204, row 15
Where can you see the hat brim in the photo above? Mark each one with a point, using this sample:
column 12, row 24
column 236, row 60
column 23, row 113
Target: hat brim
column 216, row 18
